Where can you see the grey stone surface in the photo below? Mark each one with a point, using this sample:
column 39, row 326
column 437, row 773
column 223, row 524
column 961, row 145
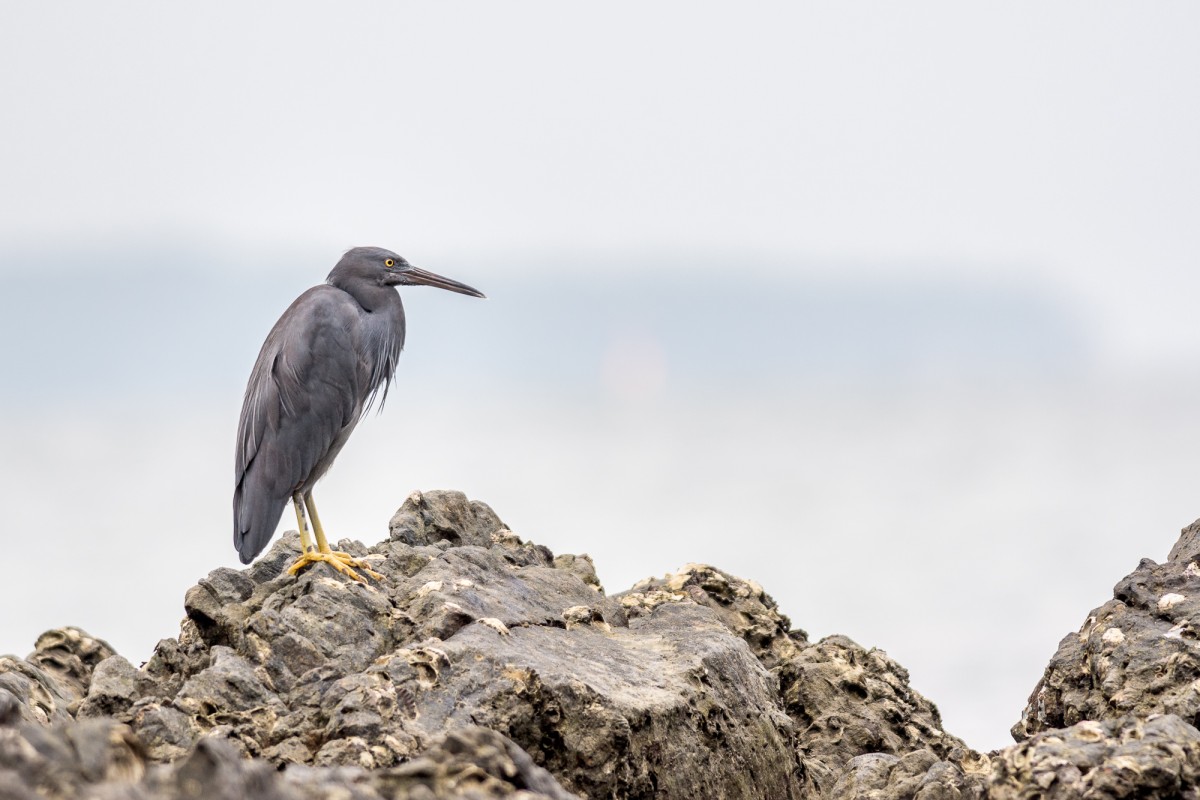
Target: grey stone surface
column 917, row 774
column 102, row 759
column 472, row 626
column 1129, row 757
column 1138, row 654
column 54, row 678
column 112, row 689
column 851, row 701
column 483, row 666
column 1149, row 759
column 844, row 700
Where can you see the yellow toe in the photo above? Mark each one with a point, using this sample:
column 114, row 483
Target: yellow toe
column 342, row 562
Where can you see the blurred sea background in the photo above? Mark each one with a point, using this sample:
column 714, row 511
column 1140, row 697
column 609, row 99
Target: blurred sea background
column 890, row 309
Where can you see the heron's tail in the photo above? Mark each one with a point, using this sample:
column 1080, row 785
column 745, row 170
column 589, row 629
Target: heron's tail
column 255, row 517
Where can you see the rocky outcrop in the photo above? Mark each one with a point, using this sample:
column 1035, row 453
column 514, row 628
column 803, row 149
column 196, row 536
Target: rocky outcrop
column 1157, row 756
column 1136, row 655
column 843, row 700
column 1125, row 758
column 484, row 666
column 104, row 759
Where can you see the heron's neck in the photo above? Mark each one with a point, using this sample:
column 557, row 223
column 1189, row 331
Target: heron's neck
column 371, row 296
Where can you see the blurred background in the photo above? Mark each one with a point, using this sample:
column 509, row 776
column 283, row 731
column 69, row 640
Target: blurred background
column 891, row 309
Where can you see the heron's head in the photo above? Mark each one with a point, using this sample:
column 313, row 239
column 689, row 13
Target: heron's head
column 383, row 267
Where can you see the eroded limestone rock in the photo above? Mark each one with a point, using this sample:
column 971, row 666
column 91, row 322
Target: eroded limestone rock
column 1136, row 655
column 483, row 666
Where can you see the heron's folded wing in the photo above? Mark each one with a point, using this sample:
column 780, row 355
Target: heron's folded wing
column 303, row 391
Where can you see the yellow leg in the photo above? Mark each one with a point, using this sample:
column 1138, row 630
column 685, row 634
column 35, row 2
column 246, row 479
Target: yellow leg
column 342, row 562
column 301, row 524
column 322, row 542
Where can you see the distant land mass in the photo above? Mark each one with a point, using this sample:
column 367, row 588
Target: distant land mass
column 126, row 323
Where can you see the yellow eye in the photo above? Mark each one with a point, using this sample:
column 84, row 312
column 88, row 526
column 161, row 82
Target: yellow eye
column 389, row 263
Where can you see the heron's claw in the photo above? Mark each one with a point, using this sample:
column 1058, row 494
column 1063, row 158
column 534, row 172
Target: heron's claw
column 342, row 562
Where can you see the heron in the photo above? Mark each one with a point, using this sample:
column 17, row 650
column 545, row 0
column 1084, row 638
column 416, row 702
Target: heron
column 325, row 364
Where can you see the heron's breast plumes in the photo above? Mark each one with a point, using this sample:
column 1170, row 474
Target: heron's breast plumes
column 383, row 343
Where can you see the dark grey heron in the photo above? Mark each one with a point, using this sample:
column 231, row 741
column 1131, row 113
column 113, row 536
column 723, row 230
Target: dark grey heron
column 327, row 360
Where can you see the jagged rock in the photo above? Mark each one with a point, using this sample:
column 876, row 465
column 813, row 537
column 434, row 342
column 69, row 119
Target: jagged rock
column 433, row 517
column 918, row 774
column 53, row 679
column 582, row 566
column 101, row 759
column 689, row 685
column 844, row 700
column 1122, row 758
column 10, row 708
column 112, row 689
column 666, row 705
column 848, row 700
column 741, row 605
column 57, row 760
column 474, row 762
column 70, row 655
column 1152, row 759
column 1136, row 655
column 167, row 732
column 471, row 626
column 482, row 666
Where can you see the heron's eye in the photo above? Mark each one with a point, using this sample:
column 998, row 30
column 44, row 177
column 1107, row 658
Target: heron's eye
column 389, row 263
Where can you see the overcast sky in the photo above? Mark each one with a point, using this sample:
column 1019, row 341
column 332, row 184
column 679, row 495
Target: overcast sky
column 978, row 196
column 1051, row 140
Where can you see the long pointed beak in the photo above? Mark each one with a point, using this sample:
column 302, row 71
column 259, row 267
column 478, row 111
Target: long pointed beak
column 418, row 276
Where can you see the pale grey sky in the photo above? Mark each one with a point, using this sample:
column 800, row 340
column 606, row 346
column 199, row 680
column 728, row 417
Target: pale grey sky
column 1054, row 140
column 987, row 213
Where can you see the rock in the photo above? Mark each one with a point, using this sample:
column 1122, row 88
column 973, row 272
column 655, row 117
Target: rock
column 849, row 701
column 1125, row 758
column 582, row 566
column 167, row 733
column 742, row 606
column 432, row 517
column 69, row 655
column 918, row 774
column 101, row 759
column 1138, row 654
column 843, row 699
column 56, row 760
column 671, row 704
column 689, row 685
column 320, row 670
column 48, row 684
column 111, row 691
column 10, row 708
column 483, row 666
column 476, row 762
column 1150, row 758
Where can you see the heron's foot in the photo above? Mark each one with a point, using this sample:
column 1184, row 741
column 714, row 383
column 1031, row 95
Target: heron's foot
column 342, row 562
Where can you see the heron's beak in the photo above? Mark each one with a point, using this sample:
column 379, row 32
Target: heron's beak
column 420, row 277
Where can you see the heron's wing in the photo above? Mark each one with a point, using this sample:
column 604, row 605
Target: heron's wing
column 306, row 388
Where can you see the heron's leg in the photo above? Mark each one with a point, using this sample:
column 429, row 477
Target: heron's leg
column 322, row 542
column 301, row 524
column 342, row 562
